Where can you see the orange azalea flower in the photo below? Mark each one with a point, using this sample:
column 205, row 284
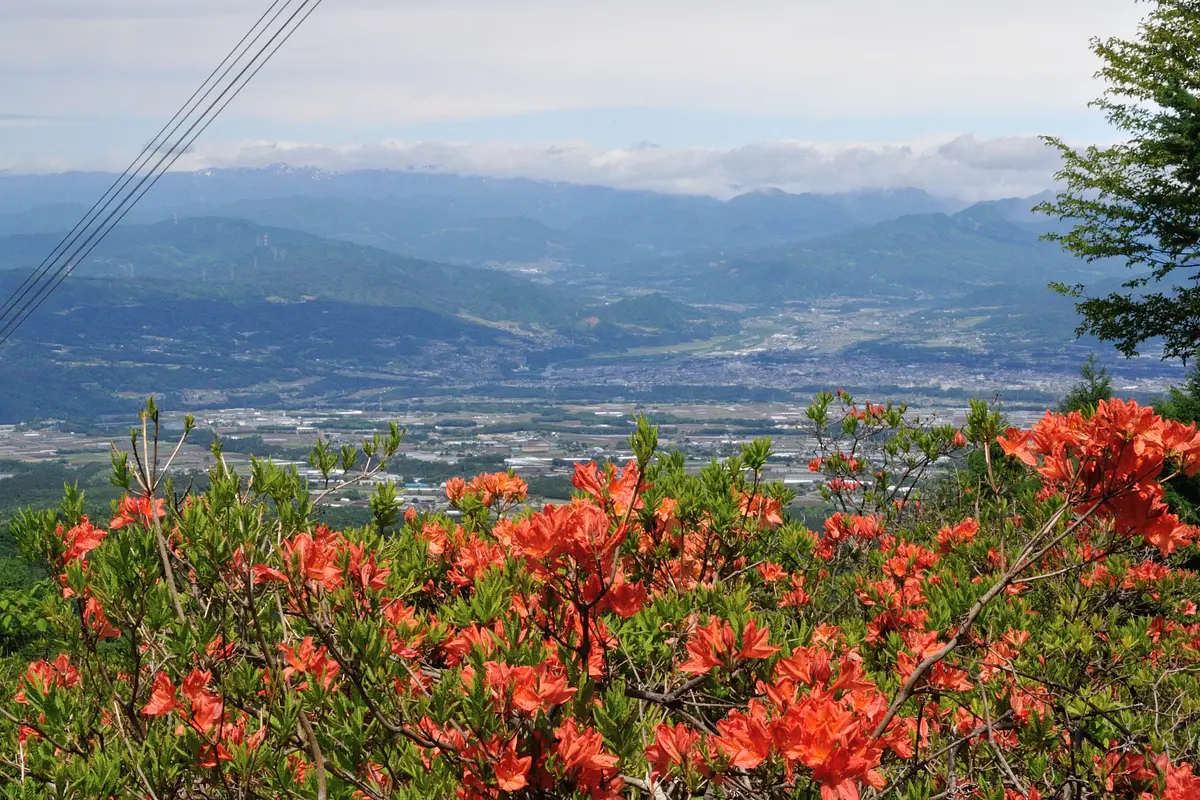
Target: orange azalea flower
column 455, row 489
column 364, row 571
column 162, row 698
column 42, row 675
column 771, row 572
column 474, row 557
column 714, row 645
column 511, row 771
column 263, row 573
column 764, row 510
column 94, row 616
column 583, row 748
column 207, row 709
column 140, row 510
column 841, row 527
column 315, row 556
column 80, row 539
column 744, row 739
column 1111, row 461
column 952, row 536
column 675, row 746
column 625, row 599
column 608, row 486
column 531, row 689
column 498, row 486
column 306, row 659
column 1180, row 781
column 1015, row 443
column 1012, row 794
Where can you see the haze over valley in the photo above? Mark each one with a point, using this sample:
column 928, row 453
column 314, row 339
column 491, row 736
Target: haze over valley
column 290, row 285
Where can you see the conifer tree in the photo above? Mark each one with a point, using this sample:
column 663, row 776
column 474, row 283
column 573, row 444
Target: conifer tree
column 1095, row 386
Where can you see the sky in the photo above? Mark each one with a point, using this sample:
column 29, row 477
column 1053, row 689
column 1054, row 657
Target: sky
column 708, row 96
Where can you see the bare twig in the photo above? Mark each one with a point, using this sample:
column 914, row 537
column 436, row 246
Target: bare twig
column 165, row 558
column 987, row 715
column 1023, row 561
column 132, row 757
column 654, row 789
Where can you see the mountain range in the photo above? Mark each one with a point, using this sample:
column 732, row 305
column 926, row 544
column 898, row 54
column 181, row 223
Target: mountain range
column 930, row 255
column 241, row 261
column 287, row 267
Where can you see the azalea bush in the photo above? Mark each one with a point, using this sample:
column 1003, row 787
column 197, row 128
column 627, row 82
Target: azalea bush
column 1024, row 630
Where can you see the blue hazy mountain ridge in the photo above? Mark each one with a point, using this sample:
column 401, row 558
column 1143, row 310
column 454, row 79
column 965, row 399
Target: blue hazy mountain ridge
column 56, row 218
column 912, row 256
column 760, row 247
column 375, row 279
column 763, row 247
column 328, row 232
column 434, row 228
column 432, row 214
column 916, row 256
column 635, row 226
column 557, row 204
column 242, row 263
column 239, row 260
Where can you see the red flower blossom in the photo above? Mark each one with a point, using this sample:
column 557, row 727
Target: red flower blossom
column 952, row 536
column 714, row 645
column 42, row 675
column 315, row 557
column 511, row 771
column 140, row 510
column 744, row 739
column 456, row 488
column 625, row 599
column 80, row 539
column 675, row 746
column 94, row 616
column 207, row 708
column 162, row 698
column 496, row 488
column 583, row 749
column 306, row 659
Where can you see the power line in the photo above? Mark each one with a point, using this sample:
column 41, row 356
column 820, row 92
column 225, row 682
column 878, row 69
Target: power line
column 172, row 154
column 247, row 73
column 122, row 180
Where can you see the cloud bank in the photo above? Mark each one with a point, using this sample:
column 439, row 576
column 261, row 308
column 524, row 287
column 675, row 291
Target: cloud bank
column 23, row 121
column 397, row 62
column 478, row 87
column 963, row 167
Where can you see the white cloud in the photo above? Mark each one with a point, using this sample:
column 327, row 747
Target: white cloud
column 964, row 167
column 400, row 61
column 361, row 70
column 23, row 121
column 1008, row 153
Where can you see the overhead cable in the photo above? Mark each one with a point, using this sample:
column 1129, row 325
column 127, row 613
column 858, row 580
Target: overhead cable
column 26, row 301
column 121, row 181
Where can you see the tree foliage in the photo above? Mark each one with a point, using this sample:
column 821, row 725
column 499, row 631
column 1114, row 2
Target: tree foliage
column 1096, row 385
column 1182, row 403
column 1139, row 200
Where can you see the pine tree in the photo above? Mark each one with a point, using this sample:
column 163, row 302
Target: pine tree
column 1095, row 386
